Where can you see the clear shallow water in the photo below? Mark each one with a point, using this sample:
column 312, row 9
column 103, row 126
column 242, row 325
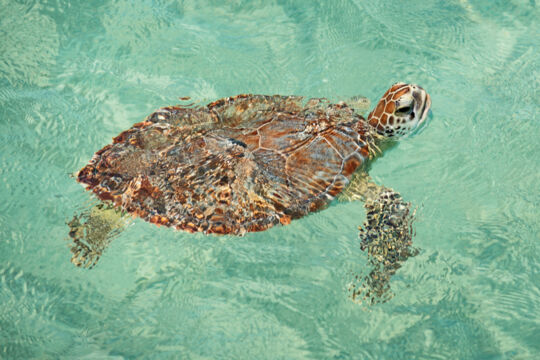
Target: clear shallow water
column 74, row 75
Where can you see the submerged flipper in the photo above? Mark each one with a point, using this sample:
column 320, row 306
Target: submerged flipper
column 92, row 231
column 386, row 235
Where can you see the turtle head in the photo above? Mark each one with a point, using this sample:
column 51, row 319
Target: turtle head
column 401, row 111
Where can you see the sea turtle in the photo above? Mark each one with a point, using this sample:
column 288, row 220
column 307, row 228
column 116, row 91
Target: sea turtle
column 249, row 162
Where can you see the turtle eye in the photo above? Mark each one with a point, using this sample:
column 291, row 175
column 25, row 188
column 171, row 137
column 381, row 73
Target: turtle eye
column 405, row 109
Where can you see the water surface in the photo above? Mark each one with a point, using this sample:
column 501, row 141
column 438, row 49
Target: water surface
column 73, row 75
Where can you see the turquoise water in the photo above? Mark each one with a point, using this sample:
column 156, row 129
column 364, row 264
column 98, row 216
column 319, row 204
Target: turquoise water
column 72, row 76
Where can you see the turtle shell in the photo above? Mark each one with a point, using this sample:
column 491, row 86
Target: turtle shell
column 236, row 165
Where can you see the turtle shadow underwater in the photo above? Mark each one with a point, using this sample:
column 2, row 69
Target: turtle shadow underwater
column 250, row 162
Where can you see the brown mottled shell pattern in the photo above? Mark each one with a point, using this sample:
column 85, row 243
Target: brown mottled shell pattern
column 236, row 165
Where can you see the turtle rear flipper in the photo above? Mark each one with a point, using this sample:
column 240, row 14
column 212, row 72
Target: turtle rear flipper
column 92, row 231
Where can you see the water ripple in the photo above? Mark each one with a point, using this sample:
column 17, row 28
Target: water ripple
column 25, row 30
column 73, row 75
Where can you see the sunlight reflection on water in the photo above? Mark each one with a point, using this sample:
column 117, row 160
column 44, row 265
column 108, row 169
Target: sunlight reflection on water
column 74, row 75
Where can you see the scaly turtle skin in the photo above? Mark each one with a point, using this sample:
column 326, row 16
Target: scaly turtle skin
column 243, row 163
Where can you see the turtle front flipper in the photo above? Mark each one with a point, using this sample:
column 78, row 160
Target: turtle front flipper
column 386, row 235
column 92, row 231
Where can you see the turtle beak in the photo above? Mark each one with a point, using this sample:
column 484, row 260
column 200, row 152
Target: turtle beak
column 428, row 106
column 425, row 109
